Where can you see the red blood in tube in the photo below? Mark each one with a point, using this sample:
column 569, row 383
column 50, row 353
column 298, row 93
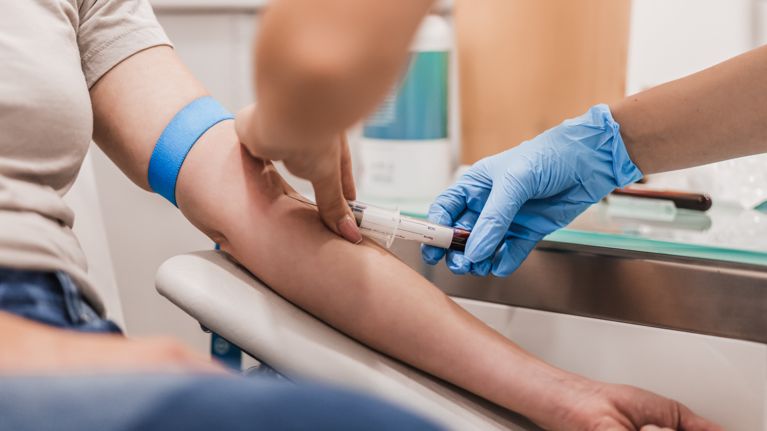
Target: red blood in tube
column 460, row 236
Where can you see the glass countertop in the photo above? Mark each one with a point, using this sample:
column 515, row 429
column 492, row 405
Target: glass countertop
column 724, row 233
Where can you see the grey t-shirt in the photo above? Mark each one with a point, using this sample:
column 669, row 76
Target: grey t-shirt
column 51, row 53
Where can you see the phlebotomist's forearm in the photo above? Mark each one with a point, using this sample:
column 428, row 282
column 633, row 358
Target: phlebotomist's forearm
column 716, row 114
column 325, row 64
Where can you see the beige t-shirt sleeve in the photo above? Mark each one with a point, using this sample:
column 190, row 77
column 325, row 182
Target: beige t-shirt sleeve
column 112, row 30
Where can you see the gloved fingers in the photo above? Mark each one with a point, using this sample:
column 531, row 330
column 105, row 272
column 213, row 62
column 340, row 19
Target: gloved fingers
column 502, row 205
column 457, row 262
column 476, row 197
column 467, row 220
column 447, row 210
column 432, row 255
column 447, row 207
column 454, row 201
column 511, row 254
column 481, row 269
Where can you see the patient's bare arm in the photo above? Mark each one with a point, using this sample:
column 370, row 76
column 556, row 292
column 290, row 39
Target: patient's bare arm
column 369, row 294
column 363, row 291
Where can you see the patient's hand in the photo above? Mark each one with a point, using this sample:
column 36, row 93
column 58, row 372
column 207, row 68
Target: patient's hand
column 596, row 406
column 38, row 349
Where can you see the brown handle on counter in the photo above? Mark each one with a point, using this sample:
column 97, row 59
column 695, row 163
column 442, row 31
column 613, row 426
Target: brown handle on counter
column 683, row 200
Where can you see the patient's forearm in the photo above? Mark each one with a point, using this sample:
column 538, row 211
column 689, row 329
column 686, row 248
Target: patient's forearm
column 362, row 290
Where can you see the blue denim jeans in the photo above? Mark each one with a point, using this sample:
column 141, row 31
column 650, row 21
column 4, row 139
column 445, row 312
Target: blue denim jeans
column 51, row 298
column 154, row 402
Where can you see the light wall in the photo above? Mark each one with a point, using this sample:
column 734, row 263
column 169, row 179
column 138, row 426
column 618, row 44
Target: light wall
column 674, row 38
column 670, row 38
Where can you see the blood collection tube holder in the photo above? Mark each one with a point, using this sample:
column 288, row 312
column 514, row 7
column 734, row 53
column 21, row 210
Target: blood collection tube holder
column 378, row 223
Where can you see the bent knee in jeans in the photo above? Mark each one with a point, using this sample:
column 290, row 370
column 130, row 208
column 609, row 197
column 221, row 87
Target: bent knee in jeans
column 192, row 403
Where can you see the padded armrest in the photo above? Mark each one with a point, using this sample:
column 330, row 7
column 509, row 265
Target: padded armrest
column 224, row 297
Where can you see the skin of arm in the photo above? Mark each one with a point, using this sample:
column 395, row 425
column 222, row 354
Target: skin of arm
column 241, row 203
column 716, row 114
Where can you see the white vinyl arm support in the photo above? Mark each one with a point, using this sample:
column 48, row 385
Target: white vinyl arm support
column 224, row 297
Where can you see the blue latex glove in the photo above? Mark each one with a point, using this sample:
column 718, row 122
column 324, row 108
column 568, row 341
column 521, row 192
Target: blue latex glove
column 513, row 199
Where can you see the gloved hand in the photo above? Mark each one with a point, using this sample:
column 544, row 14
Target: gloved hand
column 513, row 199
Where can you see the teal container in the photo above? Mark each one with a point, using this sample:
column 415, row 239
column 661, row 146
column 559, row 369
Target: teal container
column 418, row 108
column 405, row 156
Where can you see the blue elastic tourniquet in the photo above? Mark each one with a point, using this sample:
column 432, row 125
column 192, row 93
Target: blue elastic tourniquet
column 178, row 138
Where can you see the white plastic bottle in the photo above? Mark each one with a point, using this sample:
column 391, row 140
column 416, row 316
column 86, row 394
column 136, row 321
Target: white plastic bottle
column 405, row 152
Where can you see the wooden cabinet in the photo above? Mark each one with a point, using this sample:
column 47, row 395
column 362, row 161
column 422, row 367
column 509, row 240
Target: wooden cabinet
column 526, row 65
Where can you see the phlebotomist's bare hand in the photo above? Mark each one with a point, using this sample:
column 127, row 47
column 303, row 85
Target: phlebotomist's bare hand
column 326, row 163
